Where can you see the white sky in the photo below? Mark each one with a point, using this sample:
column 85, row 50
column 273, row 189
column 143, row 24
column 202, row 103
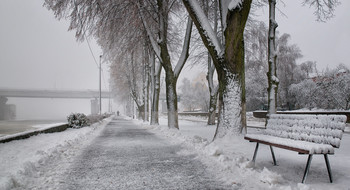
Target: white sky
column 36, row 51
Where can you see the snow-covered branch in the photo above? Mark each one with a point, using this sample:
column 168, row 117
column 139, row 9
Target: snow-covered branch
column 186, row 46
column 149, row 33
column 207, row 33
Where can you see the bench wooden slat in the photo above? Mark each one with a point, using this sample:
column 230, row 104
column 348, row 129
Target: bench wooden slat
column 301, row 151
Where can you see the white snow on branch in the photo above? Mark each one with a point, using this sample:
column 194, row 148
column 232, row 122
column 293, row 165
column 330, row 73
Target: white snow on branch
column 229, row 5
column 234, row 4
column 274, row 79
column 206, row 27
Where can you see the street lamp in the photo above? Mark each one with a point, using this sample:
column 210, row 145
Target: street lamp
column 100, row 87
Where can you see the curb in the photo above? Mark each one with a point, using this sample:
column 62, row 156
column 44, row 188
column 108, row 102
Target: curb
column 28, row 134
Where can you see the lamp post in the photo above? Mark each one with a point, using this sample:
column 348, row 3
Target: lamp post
column 100, row 87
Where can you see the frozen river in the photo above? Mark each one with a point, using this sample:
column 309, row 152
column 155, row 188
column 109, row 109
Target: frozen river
column 17, row 126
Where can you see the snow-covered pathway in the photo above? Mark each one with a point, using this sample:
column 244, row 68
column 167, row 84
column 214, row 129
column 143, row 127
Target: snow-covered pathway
column 125, row 156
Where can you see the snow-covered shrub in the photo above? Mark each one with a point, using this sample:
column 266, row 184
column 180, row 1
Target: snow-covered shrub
column 78, row 120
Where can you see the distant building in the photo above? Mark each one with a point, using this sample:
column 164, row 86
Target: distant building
column 94, row 107
column 7, row 111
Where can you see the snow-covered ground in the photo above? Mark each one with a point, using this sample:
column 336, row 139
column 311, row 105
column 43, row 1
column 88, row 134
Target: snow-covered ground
column 20, row 159
column 38, row 127
column 230, row 159
column 39, row 159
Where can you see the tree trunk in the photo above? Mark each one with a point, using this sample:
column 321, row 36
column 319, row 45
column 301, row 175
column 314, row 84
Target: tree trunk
column 141, row 111
column 146, row 84
column 272, row 57
column 155, row 74
column 231, row 75
column 231, row 119
column 212, row 109
column 147, row 94
column 171, row 99
column 213, row 93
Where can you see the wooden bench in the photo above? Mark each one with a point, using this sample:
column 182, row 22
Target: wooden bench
column 305, row 134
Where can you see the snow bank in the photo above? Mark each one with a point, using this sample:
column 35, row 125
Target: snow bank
column 20, row 159
column 44, row 128
column 234, row 168
column 229, row 158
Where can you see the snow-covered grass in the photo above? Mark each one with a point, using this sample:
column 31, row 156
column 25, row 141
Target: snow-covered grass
column 20, row 159
column 229, row 158
column 39, row 159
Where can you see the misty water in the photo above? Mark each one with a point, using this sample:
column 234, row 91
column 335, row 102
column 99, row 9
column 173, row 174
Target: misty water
column 31, row 112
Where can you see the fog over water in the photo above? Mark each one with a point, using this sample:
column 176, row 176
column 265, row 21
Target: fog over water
column 37, row 52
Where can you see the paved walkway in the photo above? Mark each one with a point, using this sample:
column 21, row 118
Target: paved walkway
column 126, row 156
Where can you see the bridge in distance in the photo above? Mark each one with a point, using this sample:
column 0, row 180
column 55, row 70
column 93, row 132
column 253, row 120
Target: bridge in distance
column 9, row 111
column 27, row 93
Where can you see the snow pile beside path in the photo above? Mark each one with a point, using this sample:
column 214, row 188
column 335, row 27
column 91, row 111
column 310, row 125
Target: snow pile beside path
column 20, row 159
column 39, row 129
column 226, row 157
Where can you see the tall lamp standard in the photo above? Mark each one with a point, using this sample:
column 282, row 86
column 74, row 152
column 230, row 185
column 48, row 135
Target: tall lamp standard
column 100, row 87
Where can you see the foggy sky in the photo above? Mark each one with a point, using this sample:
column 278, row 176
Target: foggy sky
column 36, row 51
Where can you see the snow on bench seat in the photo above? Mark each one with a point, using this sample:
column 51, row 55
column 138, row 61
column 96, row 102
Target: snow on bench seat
column 299, row 146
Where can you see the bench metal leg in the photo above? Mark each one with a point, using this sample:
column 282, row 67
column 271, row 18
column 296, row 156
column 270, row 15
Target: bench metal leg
column 307, row 167
column 328, row 168
column 256, row 151
column 273, row 156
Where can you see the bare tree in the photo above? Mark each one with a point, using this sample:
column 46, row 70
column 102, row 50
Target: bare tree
column 161, row 13
column 272, row 58
column 324, row 9
column 228, row 58
column 155, row 83
column 115, row 24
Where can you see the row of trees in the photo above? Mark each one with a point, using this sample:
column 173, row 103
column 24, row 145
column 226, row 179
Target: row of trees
column 142, row 37
column 287, row 69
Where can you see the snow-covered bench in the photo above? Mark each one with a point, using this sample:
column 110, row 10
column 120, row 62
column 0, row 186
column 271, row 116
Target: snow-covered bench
column 305, row 134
